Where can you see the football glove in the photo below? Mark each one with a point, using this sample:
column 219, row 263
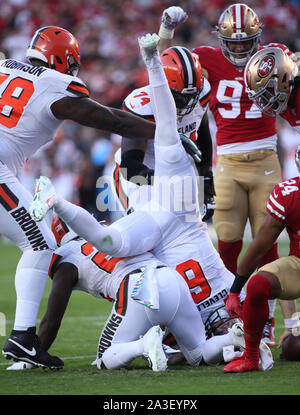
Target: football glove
column 209, row 206
column 191, row 148
column 233, row 305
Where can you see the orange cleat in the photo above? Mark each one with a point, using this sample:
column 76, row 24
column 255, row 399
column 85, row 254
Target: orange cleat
column 241, row 364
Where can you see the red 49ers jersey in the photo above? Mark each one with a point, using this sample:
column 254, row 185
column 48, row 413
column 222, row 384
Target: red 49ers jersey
column 284, row 205
column 292, row 113
column 237, row 118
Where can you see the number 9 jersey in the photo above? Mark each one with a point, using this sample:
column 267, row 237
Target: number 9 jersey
column 26, row 121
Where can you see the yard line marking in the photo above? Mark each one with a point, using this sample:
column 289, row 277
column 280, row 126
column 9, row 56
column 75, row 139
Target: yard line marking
column 90, row 356
column 100, row 318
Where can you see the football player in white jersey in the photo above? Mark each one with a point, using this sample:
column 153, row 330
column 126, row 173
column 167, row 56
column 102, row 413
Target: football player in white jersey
column 35, row 98
column 77, row 265
column 170, row 224
column 134, row 167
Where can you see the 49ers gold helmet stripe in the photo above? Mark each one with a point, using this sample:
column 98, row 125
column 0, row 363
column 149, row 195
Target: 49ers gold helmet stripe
column 238, row 11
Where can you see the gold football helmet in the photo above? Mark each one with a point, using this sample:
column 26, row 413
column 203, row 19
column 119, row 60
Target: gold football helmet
column 238, row 23
column 269, row 78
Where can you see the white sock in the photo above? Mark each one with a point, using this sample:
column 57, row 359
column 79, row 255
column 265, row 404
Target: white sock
column 30, row 280
column 213, row 349
column 272, row 305
column 121, row 354
column 105, row 239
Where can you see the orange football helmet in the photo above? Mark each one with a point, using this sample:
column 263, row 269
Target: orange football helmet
column 238, row 23
column 185, row 77
column 57, row 47
column 269, row 78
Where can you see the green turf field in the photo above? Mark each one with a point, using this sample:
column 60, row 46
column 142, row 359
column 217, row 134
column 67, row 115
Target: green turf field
column 77, row 342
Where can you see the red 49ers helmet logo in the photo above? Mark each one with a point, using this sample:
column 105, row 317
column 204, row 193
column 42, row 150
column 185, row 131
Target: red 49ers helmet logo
column 266, row 66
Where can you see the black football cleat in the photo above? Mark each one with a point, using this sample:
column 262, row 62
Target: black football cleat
column 25, row 346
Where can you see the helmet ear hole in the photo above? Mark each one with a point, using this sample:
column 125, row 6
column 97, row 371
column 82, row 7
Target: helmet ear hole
column 58, row 59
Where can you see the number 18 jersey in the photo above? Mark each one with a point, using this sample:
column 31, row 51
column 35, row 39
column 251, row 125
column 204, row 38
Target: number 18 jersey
column 26, row 121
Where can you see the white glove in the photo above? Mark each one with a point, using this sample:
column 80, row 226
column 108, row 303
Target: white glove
column 171, row 18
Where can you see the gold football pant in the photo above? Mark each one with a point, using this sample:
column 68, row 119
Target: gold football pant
column 243, row 183
column 287, row 270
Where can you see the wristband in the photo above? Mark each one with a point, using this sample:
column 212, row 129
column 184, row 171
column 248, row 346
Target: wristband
column 238, row 284
column 291, row 323
column 165, row 33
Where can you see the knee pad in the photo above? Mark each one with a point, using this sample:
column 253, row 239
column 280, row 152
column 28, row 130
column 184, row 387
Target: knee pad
column 39, row 260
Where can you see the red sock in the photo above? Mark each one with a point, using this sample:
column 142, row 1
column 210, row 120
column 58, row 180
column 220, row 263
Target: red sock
column 270, row 256
column 255, row 313
column 229, row 252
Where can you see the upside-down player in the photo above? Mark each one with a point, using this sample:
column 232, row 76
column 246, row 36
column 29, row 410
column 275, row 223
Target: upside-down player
column 191, row 92
column 35, row 98
column 170, row 223
column 247, row 163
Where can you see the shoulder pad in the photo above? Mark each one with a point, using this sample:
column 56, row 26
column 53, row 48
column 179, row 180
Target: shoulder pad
column 205, row 94
column 78, row 88
column 139, row 103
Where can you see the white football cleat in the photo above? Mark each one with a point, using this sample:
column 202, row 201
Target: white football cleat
column 153, row 349
column 237, row 335
column 149, row 50
column 21, row 366
column 44, row 199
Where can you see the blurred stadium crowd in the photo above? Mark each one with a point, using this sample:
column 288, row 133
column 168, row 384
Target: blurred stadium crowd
column 107, row 32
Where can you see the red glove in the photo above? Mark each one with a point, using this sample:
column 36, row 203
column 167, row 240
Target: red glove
column 233, row 305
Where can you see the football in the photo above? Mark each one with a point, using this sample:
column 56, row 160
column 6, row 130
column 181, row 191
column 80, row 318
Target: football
column 291, row 348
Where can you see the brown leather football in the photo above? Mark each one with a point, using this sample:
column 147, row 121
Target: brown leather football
column 291, row 348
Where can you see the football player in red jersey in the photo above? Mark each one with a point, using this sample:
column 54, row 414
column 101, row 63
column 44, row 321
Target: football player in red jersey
column 272, row 81
column 247, row 163
column 35, row 99
column 278, row 279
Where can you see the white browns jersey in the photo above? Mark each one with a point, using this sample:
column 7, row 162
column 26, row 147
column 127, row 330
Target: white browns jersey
column 177, row 236
column 189, row 250
column 26, row 121
column 139, row 103
column 98, row 274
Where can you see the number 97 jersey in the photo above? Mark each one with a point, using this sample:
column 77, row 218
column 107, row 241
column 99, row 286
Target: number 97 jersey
column 26, row 120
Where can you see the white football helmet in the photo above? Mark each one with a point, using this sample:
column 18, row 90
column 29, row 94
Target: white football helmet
column 238, row 23
column 269, row 78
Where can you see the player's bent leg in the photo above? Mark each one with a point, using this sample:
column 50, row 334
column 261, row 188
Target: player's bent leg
column 37, row 243
column 129, row 334
column 179, row 314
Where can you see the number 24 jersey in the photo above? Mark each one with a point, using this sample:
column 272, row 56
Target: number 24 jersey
column 284, row 205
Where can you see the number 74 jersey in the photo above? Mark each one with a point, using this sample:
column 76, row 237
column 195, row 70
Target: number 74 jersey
column 26, row 95
column 284, row 205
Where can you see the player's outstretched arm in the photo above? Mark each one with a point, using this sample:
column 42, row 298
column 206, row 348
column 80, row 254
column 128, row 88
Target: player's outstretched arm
column 171, row 18
column 267, row 235
column 64, row 279
column 90, row 113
